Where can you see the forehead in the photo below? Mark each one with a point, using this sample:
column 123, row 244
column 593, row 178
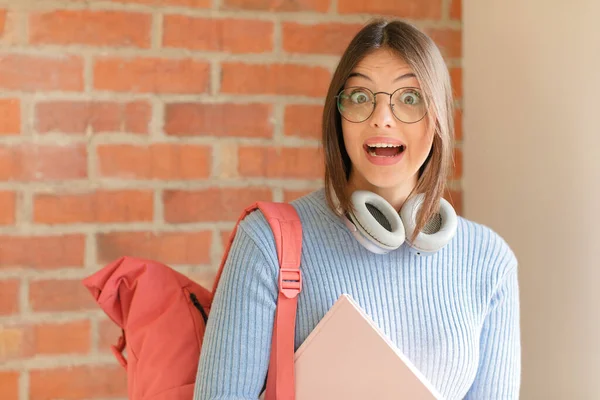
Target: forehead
column 382, row 68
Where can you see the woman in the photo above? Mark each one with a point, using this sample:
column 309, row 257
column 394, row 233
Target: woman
column 448, row 297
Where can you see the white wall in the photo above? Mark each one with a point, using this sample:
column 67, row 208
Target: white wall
column 532, row 173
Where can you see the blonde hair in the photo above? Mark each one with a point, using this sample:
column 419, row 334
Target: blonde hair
column 423, row 56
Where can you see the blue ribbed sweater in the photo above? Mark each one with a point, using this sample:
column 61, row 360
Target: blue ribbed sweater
column 455, row 314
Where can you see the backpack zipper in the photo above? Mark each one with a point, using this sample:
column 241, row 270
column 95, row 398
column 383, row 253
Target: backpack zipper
column 199, row 307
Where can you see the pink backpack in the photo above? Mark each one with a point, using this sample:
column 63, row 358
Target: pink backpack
column 163, row 315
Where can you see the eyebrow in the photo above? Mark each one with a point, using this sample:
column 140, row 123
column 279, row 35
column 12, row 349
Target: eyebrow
column 358, row 74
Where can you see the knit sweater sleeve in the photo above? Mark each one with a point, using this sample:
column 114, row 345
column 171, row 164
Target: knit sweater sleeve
column 235, row 353
column 499, row 372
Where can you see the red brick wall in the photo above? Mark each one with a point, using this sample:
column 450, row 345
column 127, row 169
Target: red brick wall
column 144, row 127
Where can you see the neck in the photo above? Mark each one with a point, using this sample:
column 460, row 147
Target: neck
column 395, row 195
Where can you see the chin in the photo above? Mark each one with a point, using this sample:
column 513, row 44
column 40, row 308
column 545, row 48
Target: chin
column 377, row 179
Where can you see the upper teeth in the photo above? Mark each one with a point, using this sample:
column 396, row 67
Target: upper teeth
column 384, row 145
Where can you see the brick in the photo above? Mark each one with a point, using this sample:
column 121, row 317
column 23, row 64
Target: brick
column 109, row 333
column 228, row 162
column 326, row 38
column 279, row 79
column 303, row 120
column 277, row 5
column 11, row 27
column 98, row 116
column 168, row 247
column 62, row 338
column 458, row 124
column 156, row 161
column 51, row 252
column 78, row 383
column 162, row 3
column 10, row 116
column 229, row 35
column 9, row 297
column 136, row 117
column 456, row 80
column 455, row 198
column 417, row 9
column 204, row 276
column 456, row 9
column 225, row 237
column 8, row 204
column 95, row 28
column 37, row 162
column 457, row 169
column 96, row 207
column 15, row 342
column 9, row 385
column 151, row 75
column 228, row 120
column 26, row 340
column 60, row 295
column 280, row 162
column 213, row 204
column 291, row 195
column 11, row 163
column 448, row 40
column 35, row 73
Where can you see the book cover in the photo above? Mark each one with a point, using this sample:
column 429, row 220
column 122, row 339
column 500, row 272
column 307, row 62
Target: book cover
column 347, row 357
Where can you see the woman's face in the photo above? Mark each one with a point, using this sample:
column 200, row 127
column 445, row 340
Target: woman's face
column 375, row 167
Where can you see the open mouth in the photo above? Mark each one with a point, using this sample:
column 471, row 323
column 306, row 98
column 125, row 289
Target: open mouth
column 384, row 149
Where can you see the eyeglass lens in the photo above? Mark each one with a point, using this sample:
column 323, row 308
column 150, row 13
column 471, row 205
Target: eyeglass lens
column 356, row 104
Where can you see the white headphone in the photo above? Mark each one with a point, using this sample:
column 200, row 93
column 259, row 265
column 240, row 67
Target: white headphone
column 380, row 228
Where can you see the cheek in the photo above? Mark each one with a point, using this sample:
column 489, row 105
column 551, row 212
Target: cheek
column 420, row 140
column 351, row 137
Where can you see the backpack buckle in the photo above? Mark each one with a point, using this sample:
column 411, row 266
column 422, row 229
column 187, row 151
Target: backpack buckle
column 290, row 282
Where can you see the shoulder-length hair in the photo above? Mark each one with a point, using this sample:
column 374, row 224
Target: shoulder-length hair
column 423, row 56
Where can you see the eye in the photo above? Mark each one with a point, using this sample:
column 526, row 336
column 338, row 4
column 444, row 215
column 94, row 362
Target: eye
column 410, row 97
column 359, row 97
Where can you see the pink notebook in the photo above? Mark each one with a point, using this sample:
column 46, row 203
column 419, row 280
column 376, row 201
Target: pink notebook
column 347, row 357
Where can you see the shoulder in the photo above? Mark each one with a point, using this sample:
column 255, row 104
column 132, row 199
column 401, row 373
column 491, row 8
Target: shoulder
column 485, row 251
column 310, row 209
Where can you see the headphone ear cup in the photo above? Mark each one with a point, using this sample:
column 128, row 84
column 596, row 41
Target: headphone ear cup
column 438, row 231
column 378, row 225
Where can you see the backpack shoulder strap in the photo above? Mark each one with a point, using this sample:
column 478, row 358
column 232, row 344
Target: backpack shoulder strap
column 287, row 232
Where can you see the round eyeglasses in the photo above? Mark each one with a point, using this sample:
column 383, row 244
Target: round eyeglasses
column 356, row 104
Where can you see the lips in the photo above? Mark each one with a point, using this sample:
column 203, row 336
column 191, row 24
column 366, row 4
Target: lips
column 384, row 147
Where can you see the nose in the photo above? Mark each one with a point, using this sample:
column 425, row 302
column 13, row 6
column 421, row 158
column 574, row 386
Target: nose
column 382, row 116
